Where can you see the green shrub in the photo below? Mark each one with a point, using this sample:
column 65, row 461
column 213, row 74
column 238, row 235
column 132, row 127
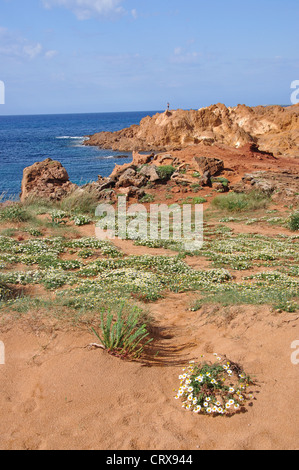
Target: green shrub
column 219, row 388
column 147, row 198
column 234, row 202
column 5, row 292
column 222, row 180
column 14, row 213
column 293, row 222
column 165, row 172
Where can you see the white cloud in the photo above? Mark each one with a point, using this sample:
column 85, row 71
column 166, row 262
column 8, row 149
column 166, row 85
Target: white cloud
column 12, row 44
column 50, row 54
column 32, row 50
column 85, row 9
column 134, row 14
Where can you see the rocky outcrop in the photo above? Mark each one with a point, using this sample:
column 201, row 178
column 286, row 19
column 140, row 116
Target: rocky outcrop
column 273, row 128
column 212, row 165
column 46, row 180
column 282, row 186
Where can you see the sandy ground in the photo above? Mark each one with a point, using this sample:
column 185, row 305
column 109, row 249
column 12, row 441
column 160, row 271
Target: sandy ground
column 58, row 394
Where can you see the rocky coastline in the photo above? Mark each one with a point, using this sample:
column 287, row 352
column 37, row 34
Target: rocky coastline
column 215, row 149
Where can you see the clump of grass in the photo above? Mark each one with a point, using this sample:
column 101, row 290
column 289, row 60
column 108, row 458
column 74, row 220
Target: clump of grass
column 293, row 222
column 14, row 213
column 219, row 388
column 147, row 198
column 80, row 202
column 165, row 172
column 234, row 202
column 123, row 337
column 38, row 206
column 222, row 180
column 5, row 292
column 8, row 232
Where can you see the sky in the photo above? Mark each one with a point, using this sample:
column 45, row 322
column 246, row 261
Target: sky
column 81, row 56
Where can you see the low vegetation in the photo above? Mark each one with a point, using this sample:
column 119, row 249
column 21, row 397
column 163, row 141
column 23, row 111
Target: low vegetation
column 219, row 388
column 234, row 202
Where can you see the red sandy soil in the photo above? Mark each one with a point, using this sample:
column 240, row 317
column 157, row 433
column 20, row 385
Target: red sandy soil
column 58, row 394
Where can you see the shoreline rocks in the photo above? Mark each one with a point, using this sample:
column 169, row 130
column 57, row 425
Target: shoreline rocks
column 270, row 128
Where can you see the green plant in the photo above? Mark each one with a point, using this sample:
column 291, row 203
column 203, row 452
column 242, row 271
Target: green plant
column 14, row 213
column 165, row 172
column 214, row 388
column 80, row 202
column 195, row 187
column 81, row 219
column 59, row 217
column 147, row 198
column 124, row 338
column 5, row 292
column 293, row 222
column 222, row 180
column 198, row 200
column 234, row 202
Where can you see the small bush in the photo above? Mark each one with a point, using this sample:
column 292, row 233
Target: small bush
column 147, row 198
column 222, row 180
column 165, row 172
column 219, row 388
column 5, row 292
column 293, row 222
column 14, row 213
column 234, row 202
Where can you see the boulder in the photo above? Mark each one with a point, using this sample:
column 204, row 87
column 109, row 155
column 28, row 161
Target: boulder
column 131, row 178
column 205, row 180
column 47, row 180
column 150, row 172
column 212, row 165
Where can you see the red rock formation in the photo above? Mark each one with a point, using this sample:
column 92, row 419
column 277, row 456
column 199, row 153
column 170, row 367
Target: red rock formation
column 47, row 180
column 272, row 128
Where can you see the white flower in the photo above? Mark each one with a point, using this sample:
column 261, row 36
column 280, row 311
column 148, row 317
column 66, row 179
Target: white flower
column 197, row 409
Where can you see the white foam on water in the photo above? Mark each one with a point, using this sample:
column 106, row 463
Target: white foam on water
column 72, row 137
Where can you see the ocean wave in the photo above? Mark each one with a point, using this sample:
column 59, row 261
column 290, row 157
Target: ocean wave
column 71, row 137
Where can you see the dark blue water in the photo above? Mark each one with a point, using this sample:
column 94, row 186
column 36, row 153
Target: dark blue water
column 25, row 140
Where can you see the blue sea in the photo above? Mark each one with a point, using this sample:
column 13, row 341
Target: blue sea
column 25, row 140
